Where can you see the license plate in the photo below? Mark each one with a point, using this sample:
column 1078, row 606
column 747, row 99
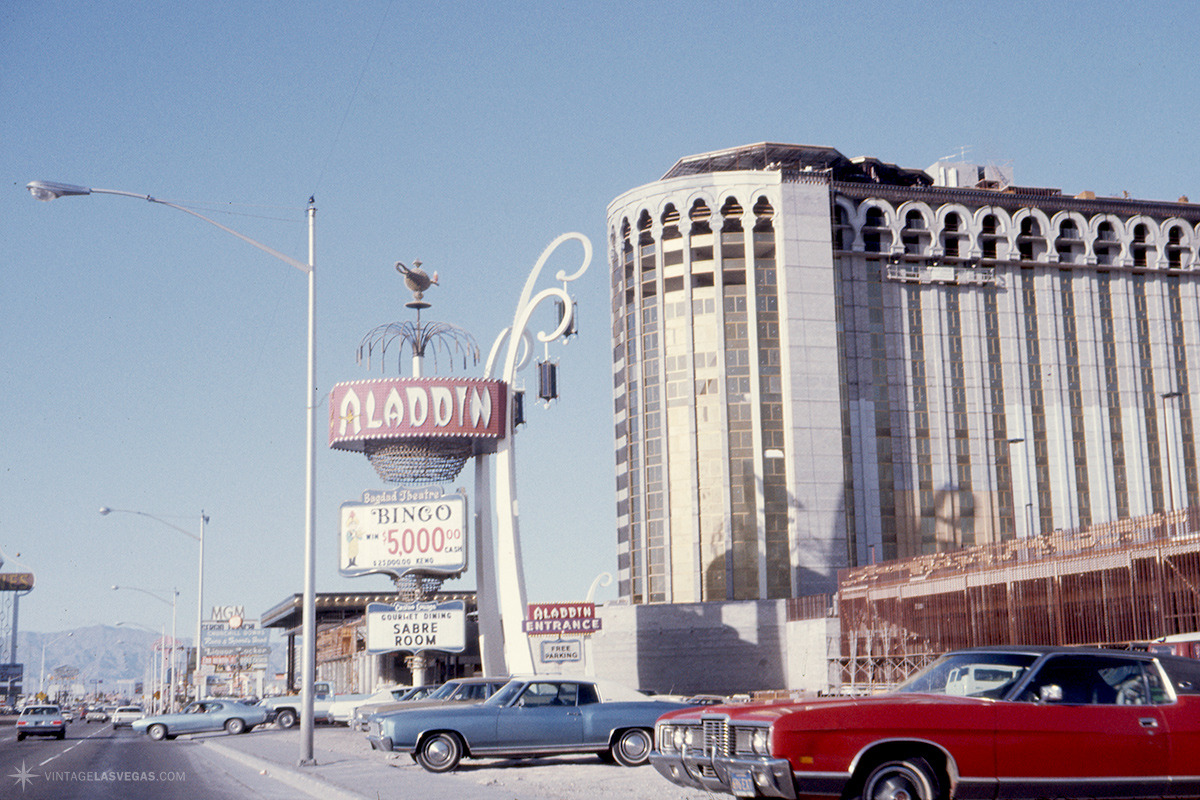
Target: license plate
column 741, row 783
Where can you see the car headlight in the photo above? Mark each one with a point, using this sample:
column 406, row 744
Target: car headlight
column 689, row 737
column 760, row 742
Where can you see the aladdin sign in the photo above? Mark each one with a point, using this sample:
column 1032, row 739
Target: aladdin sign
column 403, row 408
column 558, row 618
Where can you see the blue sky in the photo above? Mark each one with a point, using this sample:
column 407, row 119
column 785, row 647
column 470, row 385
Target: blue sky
column 152, row 362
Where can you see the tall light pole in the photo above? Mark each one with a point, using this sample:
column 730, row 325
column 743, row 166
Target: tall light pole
column 47, row 190
column 155, row 666
column 171, row 602
column 105, row 511
column 42, row 678
column 1167, row 451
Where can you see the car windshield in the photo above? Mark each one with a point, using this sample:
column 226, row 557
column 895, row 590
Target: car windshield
column 971, row 674
column 506, row 694
column 444, row 691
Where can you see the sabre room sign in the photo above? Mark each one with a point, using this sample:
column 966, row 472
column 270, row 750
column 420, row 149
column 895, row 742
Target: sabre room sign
column 414, row 627
column 423, row 531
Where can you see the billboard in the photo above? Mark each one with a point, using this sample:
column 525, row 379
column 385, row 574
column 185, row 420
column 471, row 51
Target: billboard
column 402, row 531
column 414, row 627
column 400, row 408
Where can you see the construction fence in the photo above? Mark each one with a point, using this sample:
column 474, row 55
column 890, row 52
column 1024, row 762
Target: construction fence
column 1119, row 584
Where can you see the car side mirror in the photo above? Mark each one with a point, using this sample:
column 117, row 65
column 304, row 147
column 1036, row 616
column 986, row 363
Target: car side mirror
column 1050, row 693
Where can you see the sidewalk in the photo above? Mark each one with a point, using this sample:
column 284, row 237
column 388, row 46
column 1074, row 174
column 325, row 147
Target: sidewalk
column 347, row 769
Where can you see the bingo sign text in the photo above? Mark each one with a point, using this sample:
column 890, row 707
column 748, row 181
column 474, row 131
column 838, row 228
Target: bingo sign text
column 426, row 534
column 416, row 626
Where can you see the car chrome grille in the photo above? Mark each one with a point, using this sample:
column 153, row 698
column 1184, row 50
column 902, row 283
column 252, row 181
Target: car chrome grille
column 716, row 737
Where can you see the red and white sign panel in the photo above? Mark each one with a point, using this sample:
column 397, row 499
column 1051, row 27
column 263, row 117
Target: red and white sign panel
column 399, row 408
column 426, row 532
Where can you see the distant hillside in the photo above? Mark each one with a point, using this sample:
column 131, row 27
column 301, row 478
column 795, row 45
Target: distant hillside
column 100, row 652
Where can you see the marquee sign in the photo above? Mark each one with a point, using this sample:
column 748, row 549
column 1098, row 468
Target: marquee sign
column 15, row 581
column 402, row 531
column 550, row 619
column 400, row 408
column 417, row 626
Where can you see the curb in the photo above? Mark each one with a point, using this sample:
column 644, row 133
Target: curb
column 312, row 785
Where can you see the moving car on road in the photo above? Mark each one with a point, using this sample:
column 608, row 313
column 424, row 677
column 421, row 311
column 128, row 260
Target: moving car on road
column 528, row 717
column 204, row 716
column 41, row 721
column 1006, row 722
column 125, row 716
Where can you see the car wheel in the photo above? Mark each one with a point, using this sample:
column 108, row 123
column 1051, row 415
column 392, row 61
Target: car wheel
column 632, row 747
column 286, row 718
column 440, row 752
column 235, row 726
column 157, row 732
column 62, row 734
column 911, row 779
column 20, row 737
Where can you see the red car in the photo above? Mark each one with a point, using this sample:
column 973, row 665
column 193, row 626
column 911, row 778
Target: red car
column 984, row 723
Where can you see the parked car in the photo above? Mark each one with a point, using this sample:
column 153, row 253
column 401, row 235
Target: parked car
column 457, row 690
column 341, row 712
column 203, row 716
column 127, row 715
column 1007, row 722
column 527, row 717
column 365, row 710
column 41, row 721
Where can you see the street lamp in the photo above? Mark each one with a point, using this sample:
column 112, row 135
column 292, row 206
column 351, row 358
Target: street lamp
column 105, row 511
column 171, row 602
column 156, row 680
column 42, row 677
column 48, row 190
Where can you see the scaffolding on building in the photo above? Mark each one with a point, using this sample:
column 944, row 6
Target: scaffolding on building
column 1120, row 584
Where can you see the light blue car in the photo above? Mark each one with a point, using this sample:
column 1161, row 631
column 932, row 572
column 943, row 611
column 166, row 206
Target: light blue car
column 204, row 716
column 528, row 717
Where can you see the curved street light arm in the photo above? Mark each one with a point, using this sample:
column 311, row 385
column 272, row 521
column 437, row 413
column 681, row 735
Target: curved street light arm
column 49, row 190
column 105, row 511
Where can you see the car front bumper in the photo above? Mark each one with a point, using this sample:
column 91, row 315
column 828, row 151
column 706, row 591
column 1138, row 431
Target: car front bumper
column 745, row 777
column 380, row 743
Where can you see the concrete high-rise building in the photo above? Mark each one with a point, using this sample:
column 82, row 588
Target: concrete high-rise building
column 821, row 361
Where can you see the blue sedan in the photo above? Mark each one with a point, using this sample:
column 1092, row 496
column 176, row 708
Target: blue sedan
column 528, row 717
column 204, row 716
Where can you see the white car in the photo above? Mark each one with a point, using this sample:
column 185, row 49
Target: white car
column 341, row 712
column 127, row 715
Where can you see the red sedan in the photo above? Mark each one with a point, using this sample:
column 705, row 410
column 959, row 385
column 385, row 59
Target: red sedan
column 984, row 723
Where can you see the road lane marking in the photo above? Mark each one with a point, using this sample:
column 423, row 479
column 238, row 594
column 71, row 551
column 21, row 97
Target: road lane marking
column 72, row 747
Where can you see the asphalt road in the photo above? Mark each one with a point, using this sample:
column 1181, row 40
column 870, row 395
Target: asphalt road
column 96, row 762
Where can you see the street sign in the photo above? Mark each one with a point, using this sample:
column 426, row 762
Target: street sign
column 557, row 651
column 415, row 627
column 403, row 531
column 544, row 619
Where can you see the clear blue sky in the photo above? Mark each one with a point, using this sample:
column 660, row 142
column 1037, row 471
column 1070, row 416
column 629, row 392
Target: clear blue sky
column 151, row 362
